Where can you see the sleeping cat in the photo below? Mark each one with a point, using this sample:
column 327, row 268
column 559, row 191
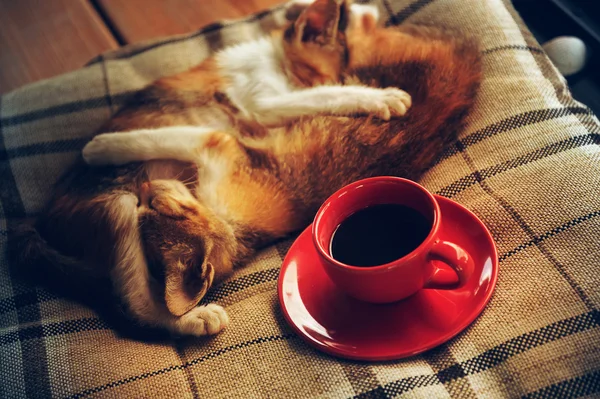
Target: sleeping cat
column 241, row 150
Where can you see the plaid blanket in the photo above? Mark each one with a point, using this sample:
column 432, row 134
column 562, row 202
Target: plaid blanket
column 528, row 164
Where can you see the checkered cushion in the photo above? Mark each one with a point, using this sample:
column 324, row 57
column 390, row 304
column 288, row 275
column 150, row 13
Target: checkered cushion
column 527, row 164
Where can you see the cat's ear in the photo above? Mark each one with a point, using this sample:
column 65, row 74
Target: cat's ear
column 321, row 22
column 186, row 281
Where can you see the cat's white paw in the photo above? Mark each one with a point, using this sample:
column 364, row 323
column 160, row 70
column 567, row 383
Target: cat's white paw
column 391, row 102
column 203, row 320
column 107, row 149
column 357, row 11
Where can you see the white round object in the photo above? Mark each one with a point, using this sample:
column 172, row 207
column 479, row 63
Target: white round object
column 568, row 53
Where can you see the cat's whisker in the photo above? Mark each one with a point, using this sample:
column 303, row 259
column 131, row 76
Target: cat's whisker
column 178, row 176
column 189, row 181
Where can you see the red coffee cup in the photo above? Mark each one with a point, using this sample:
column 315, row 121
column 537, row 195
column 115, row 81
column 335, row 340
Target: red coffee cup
column 402, row 277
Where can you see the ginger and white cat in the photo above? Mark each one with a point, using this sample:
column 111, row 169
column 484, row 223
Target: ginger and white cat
column 241, row 150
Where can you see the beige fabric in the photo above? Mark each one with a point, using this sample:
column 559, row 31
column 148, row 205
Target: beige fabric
column 527, row 164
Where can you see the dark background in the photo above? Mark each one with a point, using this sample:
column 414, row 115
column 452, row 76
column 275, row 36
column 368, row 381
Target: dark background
column 548, row 19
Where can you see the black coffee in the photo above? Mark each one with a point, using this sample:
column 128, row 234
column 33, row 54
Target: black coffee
column 379, row 234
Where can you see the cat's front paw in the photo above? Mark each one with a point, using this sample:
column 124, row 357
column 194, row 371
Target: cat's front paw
column 203, row 320
column 107, row 149
column 391, row 102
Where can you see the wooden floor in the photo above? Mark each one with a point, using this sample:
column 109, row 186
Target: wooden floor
column 44, row 38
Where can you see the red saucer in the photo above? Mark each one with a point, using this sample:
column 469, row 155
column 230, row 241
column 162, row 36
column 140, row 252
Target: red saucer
column 342, row 326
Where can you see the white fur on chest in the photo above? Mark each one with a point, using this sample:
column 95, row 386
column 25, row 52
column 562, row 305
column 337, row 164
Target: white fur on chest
column 253, row 70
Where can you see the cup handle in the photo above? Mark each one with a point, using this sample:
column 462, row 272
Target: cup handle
column 455, row 257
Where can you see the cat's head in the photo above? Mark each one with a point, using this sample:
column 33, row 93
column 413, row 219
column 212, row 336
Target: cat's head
column 150, row 242
column 315, row 42
column 186, row 246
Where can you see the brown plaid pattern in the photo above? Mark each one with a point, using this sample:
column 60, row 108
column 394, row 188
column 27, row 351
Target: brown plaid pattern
column 528, row 164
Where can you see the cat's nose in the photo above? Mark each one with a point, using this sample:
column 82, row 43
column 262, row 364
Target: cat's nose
column 145, row 194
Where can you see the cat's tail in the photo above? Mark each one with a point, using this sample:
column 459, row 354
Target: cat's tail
column 36, row 260
column 441, row 69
